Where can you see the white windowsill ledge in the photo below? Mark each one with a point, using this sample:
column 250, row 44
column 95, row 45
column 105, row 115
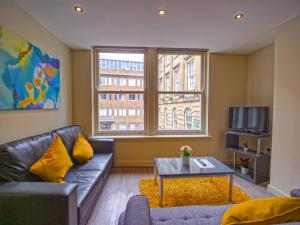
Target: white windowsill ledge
column 150, row 136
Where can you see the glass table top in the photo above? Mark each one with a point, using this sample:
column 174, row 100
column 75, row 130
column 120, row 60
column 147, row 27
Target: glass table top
column 199, row 166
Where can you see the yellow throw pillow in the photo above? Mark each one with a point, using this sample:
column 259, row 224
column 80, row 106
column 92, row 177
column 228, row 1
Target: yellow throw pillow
column 264, row 211
column 54, row 163
column 82, row 150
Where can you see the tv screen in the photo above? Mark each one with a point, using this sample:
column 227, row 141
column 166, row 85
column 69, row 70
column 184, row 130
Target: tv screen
column 253, row 119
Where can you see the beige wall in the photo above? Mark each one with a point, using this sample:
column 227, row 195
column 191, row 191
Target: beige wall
column 82, row 79
column 227, row 87
column 260, row 77
column 17, row 124
column 285, row 164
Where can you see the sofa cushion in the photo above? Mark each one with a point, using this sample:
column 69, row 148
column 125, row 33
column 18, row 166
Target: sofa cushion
column 85, row 175
column 16, row 157
column 89, row 178
column 188, row 215
column 68, row 136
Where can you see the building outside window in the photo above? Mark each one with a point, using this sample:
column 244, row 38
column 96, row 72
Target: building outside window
column 122, row 126
column 132, row 126
column 131, row 82
column 187, row 92
column 126, row 70
column 131, row 97
column 131, row 112
column 191, row 74
column 177, row 80
column 188, row 118
column 120, row 81
column 174, row 113
column 168, row 59
column 103, row 81
column 103, row 96
column 120, row 97
column 103, row 112
column 167, row 83
column 122, row 112
column 165, row 118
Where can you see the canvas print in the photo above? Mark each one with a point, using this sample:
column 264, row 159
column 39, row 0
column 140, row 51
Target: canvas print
column 29, row 77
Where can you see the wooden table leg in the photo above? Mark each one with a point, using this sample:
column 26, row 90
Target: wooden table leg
column 230, row 187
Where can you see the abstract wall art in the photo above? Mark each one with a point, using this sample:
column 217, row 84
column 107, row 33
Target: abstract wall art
column 29, row 77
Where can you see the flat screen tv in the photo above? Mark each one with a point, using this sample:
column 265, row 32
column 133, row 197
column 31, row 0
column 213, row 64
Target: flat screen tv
column 249, row 119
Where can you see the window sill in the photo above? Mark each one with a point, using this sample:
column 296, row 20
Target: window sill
column 151, row 136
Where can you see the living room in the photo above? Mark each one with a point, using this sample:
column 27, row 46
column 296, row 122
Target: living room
column 150, row 95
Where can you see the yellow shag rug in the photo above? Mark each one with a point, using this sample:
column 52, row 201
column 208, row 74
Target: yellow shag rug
column 192, row 191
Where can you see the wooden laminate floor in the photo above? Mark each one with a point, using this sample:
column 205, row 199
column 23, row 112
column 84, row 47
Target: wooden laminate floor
column 123, row 183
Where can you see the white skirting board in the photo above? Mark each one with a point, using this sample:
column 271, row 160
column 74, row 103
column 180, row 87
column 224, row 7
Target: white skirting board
column 276, row 191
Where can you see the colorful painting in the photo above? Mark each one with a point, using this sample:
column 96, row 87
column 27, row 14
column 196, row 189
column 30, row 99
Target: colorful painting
column 29, row 77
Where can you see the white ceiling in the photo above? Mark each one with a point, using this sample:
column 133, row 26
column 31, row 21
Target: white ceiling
column 187, row 24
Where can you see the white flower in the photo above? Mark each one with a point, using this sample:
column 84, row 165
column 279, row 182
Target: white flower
column 186, row 148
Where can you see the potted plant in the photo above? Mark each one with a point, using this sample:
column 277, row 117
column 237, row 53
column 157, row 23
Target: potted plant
column 245, row 163
column 185, row 152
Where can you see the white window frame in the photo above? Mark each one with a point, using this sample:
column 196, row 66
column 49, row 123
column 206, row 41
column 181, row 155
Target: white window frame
column 151, row 92
column 115, row 112
column 202, row 92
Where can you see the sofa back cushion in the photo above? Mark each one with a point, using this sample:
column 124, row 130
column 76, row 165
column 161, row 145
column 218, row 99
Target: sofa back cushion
column 16, row 157
column 68, row 136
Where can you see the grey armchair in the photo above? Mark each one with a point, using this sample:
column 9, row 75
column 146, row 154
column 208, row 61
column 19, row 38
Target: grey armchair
column 295, row 193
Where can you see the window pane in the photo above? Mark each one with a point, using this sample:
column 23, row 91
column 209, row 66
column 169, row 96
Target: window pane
column 179, row 112
column 179, row 72
column 121, row 112
column 121, row 71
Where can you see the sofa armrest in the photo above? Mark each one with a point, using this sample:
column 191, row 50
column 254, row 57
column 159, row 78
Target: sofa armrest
column 137, row 211
column 38, row 203
column 295, row 193
column 102, row 145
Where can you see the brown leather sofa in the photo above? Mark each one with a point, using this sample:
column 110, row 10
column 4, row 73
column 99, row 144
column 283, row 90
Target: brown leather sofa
column 25, row 199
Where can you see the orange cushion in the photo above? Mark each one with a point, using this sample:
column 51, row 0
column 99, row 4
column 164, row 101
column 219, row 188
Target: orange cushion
column 264, row 211
column 82, row 150
column 54, row 163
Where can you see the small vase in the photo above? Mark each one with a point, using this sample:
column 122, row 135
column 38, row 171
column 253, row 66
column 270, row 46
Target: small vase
column 244, row 170
column 185, row 160
column 245, row 149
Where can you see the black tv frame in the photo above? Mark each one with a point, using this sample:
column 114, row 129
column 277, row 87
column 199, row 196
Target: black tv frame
column 253, row 131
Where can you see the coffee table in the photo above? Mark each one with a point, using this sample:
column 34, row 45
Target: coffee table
column 172, row 168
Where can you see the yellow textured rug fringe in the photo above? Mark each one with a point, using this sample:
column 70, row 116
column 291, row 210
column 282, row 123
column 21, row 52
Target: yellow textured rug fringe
column 192, row 191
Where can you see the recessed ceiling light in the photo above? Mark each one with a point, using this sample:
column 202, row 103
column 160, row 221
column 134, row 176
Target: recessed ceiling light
column 161, row 12
column 238, row 16
column 78, row 9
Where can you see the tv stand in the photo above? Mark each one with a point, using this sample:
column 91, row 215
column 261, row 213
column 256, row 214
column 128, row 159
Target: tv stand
column 260, row 160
